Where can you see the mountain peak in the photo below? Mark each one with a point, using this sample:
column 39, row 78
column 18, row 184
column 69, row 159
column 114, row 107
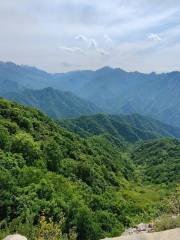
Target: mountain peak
column 110, row 69
column 106, row 68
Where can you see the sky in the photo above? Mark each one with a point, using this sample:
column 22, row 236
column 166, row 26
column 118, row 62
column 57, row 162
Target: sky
column 67, row 35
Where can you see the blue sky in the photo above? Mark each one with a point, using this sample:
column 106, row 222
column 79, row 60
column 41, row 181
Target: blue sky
column 65, row 35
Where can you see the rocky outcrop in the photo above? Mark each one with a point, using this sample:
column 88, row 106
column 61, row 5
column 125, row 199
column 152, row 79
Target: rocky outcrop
column 142, row 227
column 173, row 234
column 15, row 237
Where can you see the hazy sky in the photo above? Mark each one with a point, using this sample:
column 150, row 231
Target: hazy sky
column 63, row 35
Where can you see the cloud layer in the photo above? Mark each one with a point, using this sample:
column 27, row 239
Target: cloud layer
column 136, row 35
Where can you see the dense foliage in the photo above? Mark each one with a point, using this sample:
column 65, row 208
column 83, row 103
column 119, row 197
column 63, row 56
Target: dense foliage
column 47, row 171
column 160, row 160
column 129, row 128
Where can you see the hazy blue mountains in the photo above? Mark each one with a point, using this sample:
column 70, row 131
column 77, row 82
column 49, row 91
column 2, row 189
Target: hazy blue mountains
column 118, row 91
column 114, row 90
column 57, row 104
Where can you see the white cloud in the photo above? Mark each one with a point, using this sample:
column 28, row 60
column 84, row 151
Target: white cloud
column 69, row 65
column 118, row 29
column 93, row 43
column 107, row 38
column 154, row 37
column 79, row 50
column 102, row 52
column 72, row 50
column 66, row 49
column 82, row 38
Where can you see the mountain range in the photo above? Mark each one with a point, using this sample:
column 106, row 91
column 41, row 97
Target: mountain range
column 117, row 91
column 114, row 91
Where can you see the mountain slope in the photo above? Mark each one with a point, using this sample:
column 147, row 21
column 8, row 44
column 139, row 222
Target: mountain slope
column 55, row 103
column 130, row 128
column 160, row 160
column 8, row 85
column 47, row 171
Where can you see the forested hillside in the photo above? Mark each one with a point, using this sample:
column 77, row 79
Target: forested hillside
column 89, row 120
column 129, row 128
column 57, row 104
column 160, row 160
column 48, row 171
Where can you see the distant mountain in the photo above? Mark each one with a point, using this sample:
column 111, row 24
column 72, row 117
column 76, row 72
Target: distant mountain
column 57, row 104
column 118, row 91
column 130, row 128
column 8, row 85
column 113, row 90
column 24, row 76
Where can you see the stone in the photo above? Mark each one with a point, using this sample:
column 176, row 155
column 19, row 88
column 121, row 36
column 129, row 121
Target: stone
column 15, row 237
column 173, row 234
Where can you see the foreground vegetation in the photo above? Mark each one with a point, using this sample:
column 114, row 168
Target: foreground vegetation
column 53, row 181
column 171, row 219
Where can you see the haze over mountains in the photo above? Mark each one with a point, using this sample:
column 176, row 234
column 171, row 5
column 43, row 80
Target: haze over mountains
column 57, row 104
column 114, row 91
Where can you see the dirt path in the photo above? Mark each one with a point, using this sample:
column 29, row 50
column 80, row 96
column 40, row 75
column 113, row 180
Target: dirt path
column 173, row 234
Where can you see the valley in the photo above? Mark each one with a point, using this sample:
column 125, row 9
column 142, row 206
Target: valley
column 99, row 185
column 89, row 120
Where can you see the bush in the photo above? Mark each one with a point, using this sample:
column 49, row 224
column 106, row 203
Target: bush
column 166, row 222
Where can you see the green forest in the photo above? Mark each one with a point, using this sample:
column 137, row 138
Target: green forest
column 91, row 184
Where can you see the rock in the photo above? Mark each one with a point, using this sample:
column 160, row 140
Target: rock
column 15, row 237
column 142, row 227
column 173, row 234
column 130, row 231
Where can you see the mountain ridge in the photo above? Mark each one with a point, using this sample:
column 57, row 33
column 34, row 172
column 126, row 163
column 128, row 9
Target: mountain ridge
column 115, row 91
column 131, row 128
column 57, row 104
